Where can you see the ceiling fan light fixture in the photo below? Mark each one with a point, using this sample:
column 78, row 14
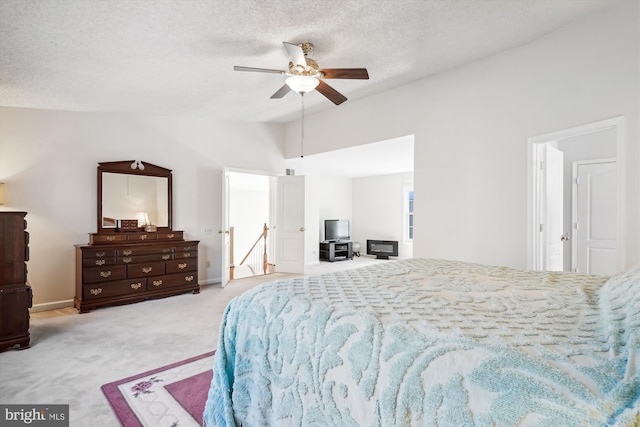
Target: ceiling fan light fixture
column 302, row 84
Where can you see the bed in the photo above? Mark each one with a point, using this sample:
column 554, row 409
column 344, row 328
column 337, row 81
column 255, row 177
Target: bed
column 423, row 342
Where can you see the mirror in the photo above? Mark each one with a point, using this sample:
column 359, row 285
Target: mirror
column 133, row 190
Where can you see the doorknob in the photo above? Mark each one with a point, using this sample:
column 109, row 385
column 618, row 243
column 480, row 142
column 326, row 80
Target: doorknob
column 225, row 232
column 302, row 229
column 564, row 237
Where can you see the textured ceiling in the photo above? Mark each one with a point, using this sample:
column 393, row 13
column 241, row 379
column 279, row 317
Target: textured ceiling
column 177, row 56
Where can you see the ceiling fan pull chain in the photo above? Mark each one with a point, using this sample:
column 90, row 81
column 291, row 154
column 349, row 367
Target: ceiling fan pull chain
column 302, row 128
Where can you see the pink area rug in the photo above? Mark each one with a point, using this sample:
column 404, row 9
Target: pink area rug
column 173, row 395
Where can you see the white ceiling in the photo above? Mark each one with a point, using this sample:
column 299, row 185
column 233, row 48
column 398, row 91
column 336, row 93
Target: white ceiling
column 177, row 56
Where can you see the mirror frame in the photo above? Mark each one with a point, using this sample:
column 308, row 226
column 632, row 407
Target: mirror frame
column 124, row 167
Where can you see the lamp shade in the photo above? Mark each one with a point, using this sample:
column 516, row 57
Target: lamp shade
column 143, row 219
column 302, row 84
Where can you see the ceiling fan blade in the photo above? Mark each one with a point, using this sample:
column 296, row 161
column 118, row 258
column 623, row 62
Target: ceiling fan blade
column 281, row 92
column 296, row 55
column 345, row 73
column 257, row 70
column 331, row 94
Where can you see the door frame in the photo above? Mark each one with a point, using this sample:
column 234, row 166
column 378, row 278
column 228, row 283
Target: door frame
column 533, row 186
column 224, row 229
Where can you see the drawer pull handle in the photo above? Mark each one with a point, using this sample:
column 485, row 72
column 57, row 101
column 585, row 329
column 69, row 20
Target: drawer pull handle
column 127, row 252
column 136, row 285
column 100, row 254
column 143, row 237
column 182, row 266
column 100, row 262
column 126, row 260
column 165, row 257
column 165, row 250
column 187, row 254
column 95, row 291
column 147, row 269
column 111, row 238
column 188, row 278
column 171, row 236
column 157, row 282
column 105, row 274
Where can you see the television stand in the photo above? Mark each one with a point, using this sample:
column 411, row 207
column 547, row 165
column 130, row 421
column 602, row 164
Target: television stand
column 336, row 251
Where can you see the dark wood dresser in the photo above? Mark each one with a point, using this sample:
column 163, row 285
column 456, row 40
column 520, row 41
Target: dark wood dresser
column 126, row 267
column 15, row 292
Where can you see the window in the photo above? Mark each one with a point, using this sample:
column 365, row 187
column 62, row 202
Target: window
column 410, row 216
column 408, row 211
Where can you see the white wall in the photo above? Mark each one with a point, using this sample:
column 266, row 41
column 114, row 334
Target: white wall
column 326, row 197
column 48, row 162
column 378, row 210
column 471, row 125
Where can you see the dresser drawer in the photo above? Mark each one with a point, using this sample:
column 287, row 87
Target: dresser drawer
column 179, row 265
column 169, row 235
column 104, row 274
column 145, row 250
column 98, row 253
column 144, row 258
column 172, row 280
column 108, row 289
column 98, row 262
column 108, row 238
column 186, row 248
column 142, row 237
column 181, row 253
column 145, row 269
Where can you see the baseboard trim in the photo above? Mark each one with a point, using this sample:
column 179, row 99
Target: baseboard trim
column 55, row 305
column 210, row 282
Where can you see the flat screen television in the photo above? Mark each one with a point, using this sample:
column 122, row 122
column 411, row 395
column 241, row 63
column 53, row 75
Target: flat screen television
column 336, row 230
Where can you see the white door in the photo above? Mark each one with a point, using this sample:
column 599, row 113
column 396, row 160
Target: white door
column 290, row 224
column 552, row 229
column 224, row 230
column 595, row 225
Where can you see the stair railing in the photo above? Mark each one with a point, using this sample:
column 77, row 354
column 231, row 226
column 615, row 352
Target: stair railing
column 258, row 250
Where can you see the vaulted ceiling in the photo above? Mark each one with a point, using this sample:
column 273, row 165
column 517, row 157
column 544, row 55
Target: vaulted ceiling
column 177, row 56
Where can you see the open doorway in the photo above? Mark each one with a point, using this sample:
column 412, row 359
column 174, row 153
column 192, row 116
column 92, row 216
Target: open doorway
column 369, row 184
column 250, row 248
column 262, row 224
column 559, row 238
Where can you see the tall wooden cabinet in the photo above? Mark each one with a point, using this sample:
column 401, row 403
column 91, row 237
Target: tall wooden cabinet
column 15, row 292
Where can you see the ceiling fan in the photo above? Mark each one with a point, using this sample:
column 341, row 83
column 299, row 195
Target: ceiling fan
column 304, row 74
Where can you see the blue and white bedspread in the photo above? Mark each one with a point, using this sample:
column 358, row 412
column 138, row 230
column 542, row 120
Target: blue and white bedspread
column 431, row 343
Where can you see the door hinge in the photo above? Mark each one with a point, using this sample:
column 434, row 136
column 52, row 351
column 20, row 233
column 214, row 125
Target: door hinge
column 542, row 165
column 541, row 228
column 577, row 180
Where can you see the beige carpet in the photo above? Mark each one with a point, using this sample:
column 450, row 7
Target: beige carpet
column 73, row 354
